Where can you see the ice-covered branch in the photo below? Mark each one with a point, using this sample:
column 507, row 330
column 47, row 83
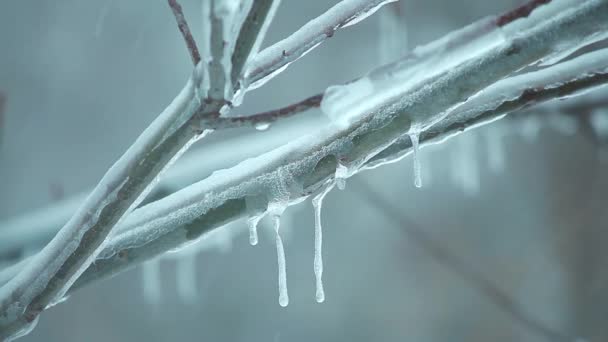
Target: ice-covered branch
column 52, row 272
column 182, row 24
column 274, row 59
column 266, row 118
column 572, row 78
column 252, row 33
column 219, row 65
column 305, row 165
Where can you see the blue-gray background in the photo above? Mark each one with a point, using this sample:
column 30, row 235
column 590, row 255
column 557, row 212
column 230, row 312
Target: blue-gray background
column 84, row 78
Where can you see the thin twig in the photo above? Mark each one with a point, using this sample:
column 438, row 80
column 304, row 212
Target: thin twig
column 520, row 12
column 268, row 116
column 182, row 24
column 454, row 263
column 218, row 75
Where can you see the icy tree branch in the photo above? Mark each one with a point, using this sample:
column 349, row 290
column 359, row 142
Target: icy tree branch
column 310, row 162
column 252, row 34
column 274, row 59
column 434, row 106
column 265, row 118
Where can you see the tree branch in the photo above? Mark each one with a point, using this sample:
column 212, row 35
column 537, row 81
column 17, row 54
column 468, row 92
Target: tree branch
column 252, row 34
column 274, row 59
column 182, row 24
column 311, row 161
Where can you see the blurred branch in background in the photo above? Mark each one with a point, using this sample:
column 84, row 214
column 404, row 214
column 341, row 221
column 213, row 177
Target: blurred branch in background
column 2, row 109
column 452, row 262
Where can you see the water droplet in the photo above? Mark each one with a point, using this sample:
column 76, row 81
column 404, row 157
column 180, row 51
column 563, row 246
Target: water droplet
column 262, row 126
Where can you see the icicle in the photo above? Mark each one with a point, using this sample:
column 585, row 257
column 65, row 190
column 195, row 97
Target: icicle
column 341, row 175
column 185, row 273
column 496, row 153
column 317, row 203
column 599, row 122
column 464, row 166
column 252, row 223
column 102, row 18
column 151, row 282
column 393, row 38
column 417, row 169
column 276, row 207
column 283, row 296
column 530, row 127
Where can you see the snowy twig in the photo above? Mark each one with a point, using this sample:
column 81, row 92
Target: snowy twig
column 274, row 59
column 454, row 263
column 182, row 24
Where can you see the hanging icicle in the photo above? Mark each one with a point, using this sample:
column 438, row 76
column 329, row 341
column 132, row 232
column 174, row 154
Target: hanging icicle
column 317, row 203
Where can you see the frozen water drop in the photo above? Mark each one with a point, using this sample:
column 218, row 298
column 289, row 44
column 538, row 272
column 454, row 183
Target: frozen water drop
column 417, row 169
column 262, row 126
column 341, row 175
column 252, row 223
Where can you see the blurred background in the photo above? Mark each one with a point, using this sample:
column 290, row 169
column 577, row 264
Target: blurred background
column 514, row 210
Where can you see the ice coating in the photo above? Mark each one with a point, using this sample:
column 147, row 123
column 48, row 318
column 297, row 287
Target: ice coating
column 345, row 104
column 341, row 175
column 274, row 59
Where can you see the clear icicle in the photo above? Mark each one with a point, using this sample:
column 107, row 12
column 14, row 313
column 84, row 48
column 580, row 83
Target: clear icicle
column 341, row 175
column 417, row 169
column 317, row 203
column 185, row 273
column 283, row 296
column 252, row 223
column 101, row 19
column 151, row 282
column 393, row 38
column 464, row 166
column 496, row 154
